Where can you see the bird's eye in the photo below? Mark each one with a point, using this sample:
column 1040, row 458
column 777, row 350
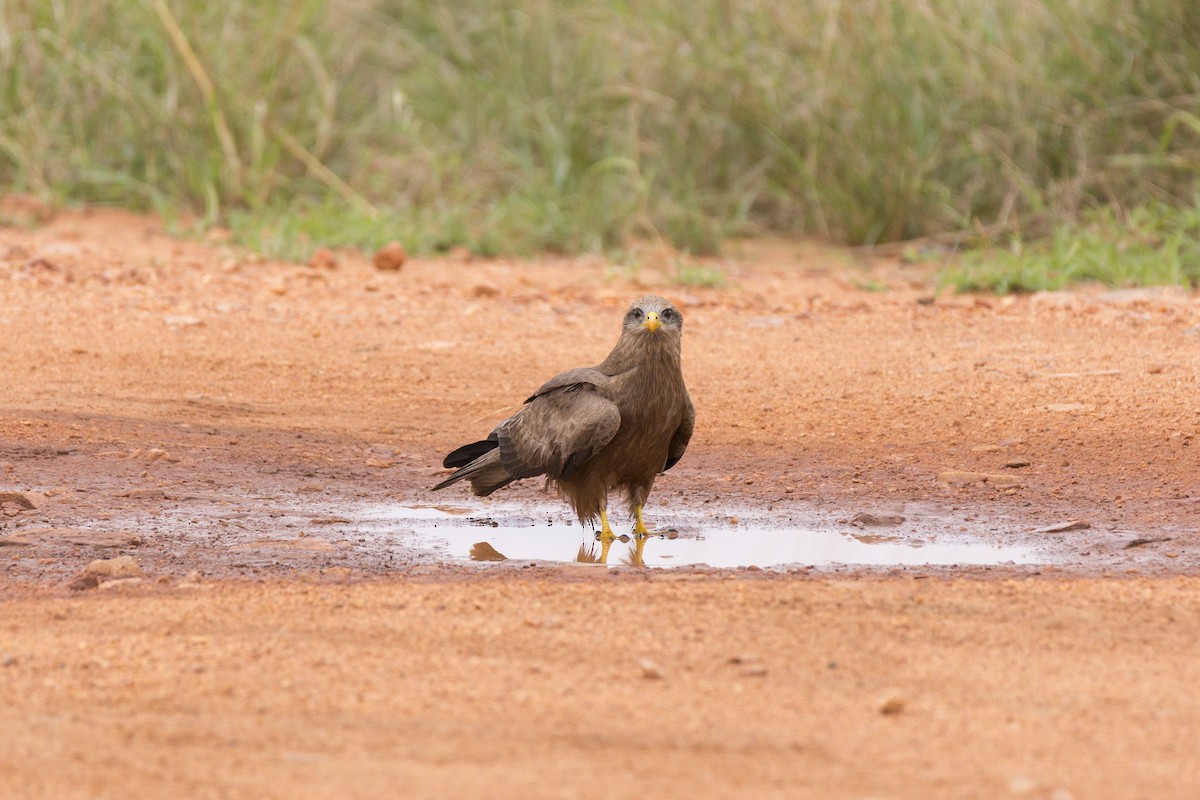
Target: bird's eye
column 635, row 313
column 668, row 314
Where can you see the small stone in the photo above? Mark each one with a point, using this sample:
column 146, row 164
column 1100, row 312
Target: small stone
column 986, row 448
column 323, row 258
column 1155, row 369
column 869, row 520
column 650, row 669
column 1016, row 463
column 1003, row 481
column 1070, row 525
column 154, row 454
column 960, row 478
column 485, row 290
column 18, row 499
column 112, row 568
column 892, row 702
column 1068, row 407
column 390, row 257
column 755, row 671
column 106, row 569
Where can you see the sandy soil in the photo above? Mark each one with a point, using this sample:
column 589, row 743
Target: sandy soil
column 207, row 413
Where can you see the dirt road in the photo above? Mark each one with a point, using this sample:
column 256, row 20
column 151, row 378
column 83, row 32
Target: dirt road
column 213, row 416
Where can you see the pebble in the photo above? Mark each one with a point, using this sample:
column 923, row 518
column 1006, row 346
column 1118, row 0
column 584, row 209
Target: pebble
column 961, row 478
column 892, row 702
column 986, row 448
column 651, row 670
column 390, row 257
column 1070, row 525
column 106, row 569
column 17, row 499
column 1016, row 463
column 867, row 519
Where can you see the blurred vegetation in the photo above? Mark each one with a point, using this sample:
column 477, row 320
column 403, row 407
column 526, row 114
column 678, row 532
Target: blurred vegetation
column 1153, row 245
column 523, row 125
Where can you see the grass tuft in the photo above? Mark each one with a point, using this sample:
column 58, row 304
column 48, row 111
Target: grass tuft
column 1153, row 245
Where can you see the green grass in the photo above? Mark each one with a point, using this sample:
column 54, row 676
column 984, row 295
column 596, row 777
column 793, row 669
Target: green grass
column 1154, row 245
column 520, row 126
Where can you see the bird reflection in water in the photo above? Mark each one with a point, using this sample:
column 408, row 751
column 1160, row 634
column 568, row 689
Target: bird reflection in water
column 484, row 551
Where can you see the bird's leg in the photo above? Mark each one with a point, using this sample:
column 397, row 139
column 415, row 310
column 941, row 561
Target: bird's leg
column 639, row 527
column 606, row 537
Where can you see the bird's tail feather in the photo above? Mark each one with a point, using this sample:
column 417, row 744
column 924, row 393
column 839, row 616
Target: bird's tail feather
column 485, row 473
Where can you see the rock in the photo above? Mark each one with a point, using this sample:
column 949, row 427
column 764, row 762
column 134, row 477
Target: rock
column 1068, row 407
column 485, row 290
column 651, row 670
column 869, row 520
column 323, row 258
column 960, row 478
column 103, row 569
column 1155, row 369
column 986, row 448
column 1003, row 481
column 1016, row 463
column 119, row 567
column 18, row 499
column 892, row 702
column 390, row 257
column 1070, row 525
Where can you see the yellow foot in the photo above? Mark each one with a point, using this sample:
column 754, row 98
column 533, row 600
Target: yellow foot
column 639, row 525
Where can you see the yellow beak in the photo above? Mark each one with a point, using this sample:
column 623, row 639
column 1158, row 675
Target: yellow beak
column 652, row 323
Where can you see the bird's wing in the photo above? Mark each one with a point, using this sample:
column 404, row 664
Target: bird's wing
column 573, row 377
column 563, row 425
column 682, row 435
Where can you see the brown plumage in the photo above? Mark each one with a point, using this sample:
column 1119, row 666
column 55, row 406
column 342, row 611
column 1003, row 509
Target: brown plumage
column 616, row 425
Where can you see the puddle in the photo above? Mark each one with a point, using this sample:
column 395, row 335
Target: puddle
column 460, row 534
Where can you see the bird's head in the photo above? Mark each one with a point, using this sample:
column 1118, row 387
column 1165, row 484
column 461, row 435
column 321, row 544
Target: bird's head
column 653, row 315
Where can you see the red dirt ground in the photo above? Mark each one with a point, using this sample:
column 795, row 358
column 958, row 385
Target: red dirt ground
column 151, row 382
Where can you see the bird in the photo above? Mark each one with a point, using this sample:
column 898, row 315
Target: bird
column 592, row 430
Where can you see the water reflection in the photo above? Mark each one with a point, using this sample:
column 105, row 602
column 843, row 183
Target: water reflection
column 596, row 552
column 522, row 533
